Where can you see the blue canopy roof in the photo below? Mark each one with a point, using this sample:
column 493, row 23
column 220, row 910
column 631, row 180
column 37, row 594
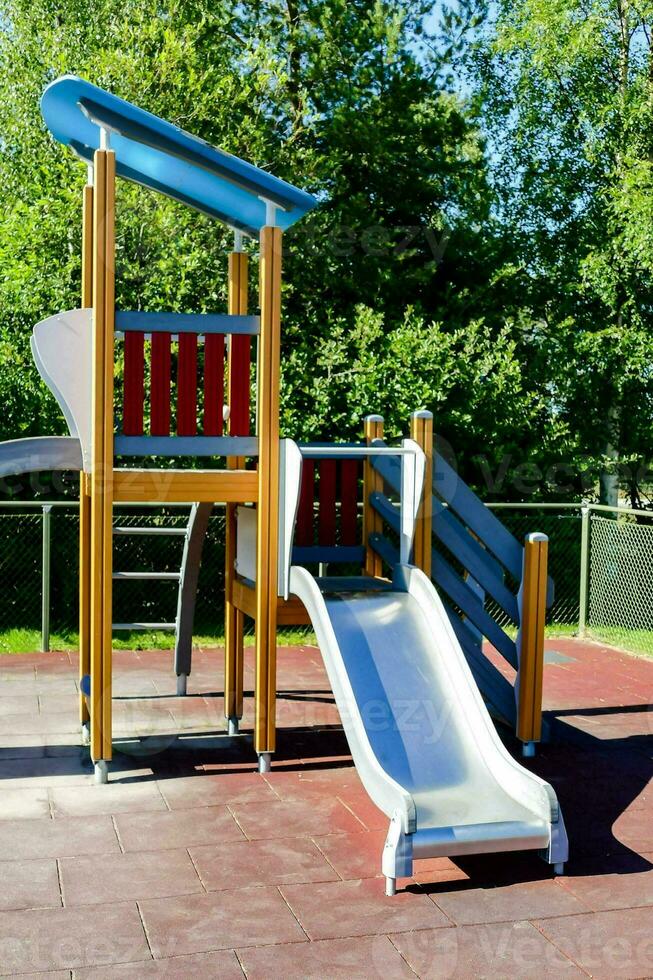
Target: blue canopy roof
column 153, row 152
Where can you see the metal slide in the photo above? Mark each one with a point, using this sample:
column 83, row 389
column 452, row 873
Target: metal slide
column 419, row 733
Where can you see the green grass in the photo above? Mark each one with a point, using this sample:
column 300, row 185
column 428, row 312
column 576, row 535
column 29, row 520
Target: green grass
column 28, row 641
column 638, row 642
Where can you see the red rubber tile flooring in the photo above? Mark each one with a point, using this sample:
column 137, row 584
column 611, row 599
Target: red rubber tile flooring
column 189, row 863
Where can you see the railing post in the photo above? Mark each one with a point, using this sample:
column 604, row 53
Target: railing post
column 45, row 579
column 372, row 481
column 584, row 566
column 530, row 647
column 421, row 432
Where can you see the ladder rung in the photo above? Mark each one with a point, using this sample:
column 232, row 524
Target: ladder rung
column 150, row 530
column 144, row 626
column 159, row 576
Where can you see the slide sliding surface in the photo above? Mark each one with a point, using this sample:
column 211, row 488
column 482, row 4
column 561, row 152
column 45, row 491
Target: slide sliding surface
column 419, row 732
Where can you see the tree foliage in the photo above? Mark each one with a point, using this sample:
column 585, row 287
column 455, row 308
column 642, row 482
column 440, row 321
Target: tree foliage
column 480, row 249
column 565, row 90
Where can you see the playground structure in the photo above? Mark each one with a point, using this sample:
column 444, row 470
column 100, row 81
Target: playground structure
column 435, row 765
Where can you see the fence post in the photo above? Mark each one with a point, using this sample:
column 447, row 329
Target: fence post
column 45, row 579
column 584, row 566
column 532, row 617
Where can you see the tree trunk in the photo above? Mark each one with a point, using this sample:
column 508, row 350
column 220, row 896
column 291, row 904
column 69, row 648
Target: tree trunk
column 609, row 477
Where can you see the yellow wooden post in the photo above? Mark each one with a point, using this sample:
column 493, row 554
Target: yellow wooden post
column 234, row 618
column 84, row 485
column 531, row 640
column 102, row 456
column 107, row 524
column 268, row 496
column 421, row 431
column 372, row 481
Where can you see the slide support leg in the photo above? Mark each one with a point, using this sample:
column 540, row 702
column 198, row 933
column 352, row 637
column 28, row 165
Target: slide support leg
column 557, row 853
column 397, row 860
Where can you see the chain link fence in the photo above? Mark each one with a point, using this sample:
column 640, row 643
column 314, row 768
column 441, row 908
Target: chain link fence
column 563, row 530
column 39, row 554
column 601, row 562
column 620, row 582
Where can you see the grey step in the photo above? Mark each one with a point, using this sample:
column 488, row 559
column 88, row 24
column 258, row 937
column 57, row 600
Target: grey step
column 181, row 531
column 158, row 576
column 143, row 626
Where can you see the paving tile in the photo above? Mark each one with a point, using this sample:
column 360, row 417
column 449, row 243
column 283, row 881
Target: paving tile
column 18, row 705
column 310, row 784
column 356, row 855
column 64, row 771
column 507, row 949
column 362, row 807
column 607, row 945
column 58, row 939
column 29, row 885
column 59, row 704
column 30, row 839
column 635, row 829
column 222, row 920
column 338, row 959
column 221, row 965
column 24, row 803
column 127, row 877
column 266, row 862
column 306, row 711
column 523, row 900
column 359, row 856
column 50, row 975
column 341, row 909
column 36, row 724
column 179, row 828
column 621, row 890
column 210, row 789
column 62, row 682
column 294, row 819
column 22, row 747
column 111, row 798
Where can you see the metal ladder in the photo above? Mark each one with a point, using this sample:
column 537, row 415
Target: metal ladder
column 187, row 576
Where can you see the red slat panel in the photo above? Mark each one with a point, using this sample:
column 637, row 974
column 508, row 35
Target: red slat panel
column 304, row 526
column 239, row 385
column 348, row 501
column 326, row 531
column 213, row 384
column 160, row 385
column 187, row 385
column 134, row 394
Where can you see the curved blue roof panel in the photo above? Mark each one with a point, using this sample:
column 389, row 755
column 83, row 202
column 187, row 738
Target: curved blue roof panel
column 156, row 154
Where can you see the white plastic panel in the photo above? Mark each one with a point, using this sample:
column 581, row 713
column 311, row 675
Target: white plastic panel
column 246, row 542
column 290, row 478
column 413, row 466
column 62, row 351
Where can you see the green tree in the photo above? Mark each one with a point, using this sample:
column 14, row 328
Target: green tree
column 565, row 89
column 399, row 262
